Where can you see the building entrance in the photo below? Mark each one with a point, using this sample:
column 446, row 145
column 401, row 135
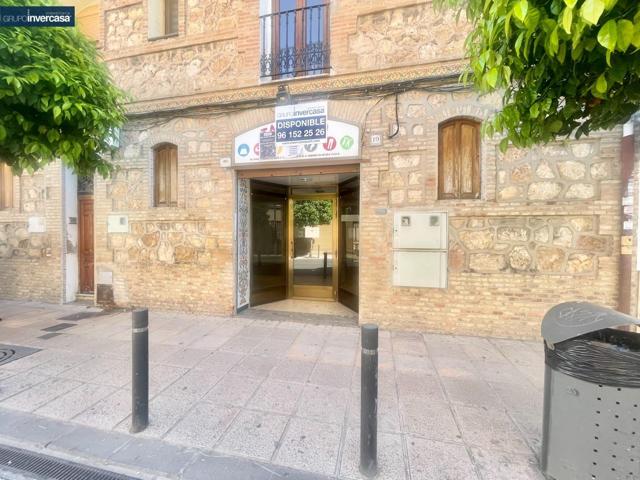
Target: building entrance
column 304, row 240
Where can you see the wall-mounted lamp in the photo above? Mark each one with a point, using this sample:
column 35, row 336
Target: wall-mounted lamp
column 283, row 97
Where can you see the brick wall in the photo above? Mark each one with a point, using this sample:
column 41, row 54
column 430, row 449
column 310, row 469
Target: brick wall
column 30, row 263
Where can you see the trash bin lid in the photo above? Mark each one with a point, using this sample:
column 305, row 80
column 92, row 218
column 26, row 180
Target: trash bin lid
column 572, row 319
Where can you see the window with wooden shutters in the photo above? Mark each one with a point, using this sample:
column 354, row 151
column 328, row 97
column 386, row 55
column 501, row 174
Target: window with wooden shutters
column 459, row 159
column 166, row 175
column 6, row 186
column 170, row 17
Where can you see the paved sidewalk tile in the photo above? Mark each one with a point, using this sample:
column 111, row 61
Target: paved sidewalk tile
column 202, row 426
column 91, row 442
column 310, row 446
column 322, row 403
column 276, row 396
column 391, row 464
column 432, row 460
column 496, row 465
column 108, row 412
column 75, row 401
column 233, row 390
column 292, row 370
column 13, row 385
column 40, row 394
column 253, row 434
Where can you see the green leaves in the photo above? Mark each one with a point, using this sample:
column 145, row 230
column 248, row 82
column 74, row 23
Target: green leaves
column 591, row 11
column 57, row 99
column 608, row 35
column 563, row 67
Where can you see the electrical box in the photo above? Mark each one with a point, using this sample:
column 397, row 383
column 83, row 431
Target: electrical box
column 117, row 224
column 37, row 225
column 420, row 230
column 420, row 249
column 420, row 268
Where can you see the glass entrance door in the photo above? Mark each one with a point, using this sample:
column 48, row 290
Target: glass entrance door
column 348, row 251
column 313, row 247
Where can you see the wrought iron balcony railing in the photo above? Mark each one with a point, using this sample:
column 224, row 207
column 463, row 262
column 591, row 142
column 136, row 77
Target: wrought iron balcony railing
column 295, row 42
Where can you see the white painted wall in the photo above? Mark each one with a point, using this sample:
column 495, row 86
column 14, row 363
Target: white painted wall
column 71, row 256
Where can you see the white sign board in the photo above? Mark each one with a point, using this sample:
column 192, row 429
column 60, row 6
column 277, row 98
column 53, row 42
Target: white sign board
column 301, row 123
column 258, row 145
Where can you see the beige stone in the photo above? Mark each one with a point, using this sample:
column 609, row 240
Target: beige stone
column 396, row 197
column 580, row 263
column 581, row 150
column 486, row 262
column 545, row 171
column 150, row 240
column 582, row 224
column 456, row 258
column 416, row 178
column 405, row 159
column 580, row 191
column 521, row 174
column 542, row 235
column 514, row 154
column 599, row 171
column 544, row 190
column 477, row 239
column 519, row 258
column 563, row 237
column 510, row 193
column 184, row 254
column 397, row 180
column 165, row 252
column 572, row 170
column 414, row 196
column 513, row 234
column 592, row 243
column 550, row 259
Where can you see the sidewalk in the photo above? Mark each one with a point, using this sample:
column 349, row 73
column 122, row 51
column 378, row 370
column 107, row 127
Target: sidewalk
column 264, row 399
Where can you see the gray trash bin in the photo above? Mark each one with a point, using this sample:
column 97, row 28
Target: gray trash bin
column 591, row 426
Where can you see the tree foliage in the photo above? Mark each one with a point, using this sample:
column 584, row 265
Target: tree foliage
column 565, row 66
column 309, row 213
column 57, row 99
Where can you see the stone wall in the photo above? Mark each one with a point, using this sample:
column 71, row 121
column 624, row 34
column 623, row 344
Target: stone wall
column 527, row 244
column 553, row 172
column 30, row 263
column 125, row 27
column 171, row 257
column 406, row 36
column 191, row 69
column 510, row 259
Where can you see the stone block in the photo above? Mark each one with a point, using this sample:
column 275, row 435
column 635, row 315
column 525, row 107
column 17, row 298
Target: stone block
column 486, row 262
column 544, row 170
column 580, row 263
column 520, row 258
column 511, row 192
column 477, row 239
column 550, row 259
column 513, row 234
column 572, row 170
column 544, row 190
column 521, row 174
column 405, row 159
column 592, row 243
column 580, row 191
column 563, row 237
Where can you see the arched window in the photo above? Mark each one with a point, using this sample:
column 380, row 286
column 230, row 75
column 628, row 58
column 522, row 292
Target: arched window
column 165, row 173
column 459, row 159
column 6, row 186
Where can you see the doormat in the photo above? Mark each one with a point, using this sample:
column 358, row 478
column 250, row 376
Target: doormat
column 9, row 353
column 57, row 327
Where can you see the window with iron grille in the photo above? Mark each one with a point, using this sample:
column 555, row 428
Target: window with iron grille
column 294, row 38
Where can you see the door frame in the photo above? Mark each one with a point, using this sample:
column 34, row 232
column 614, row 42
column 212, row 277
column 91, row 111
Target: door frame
column 313, row 291
column 82, row 201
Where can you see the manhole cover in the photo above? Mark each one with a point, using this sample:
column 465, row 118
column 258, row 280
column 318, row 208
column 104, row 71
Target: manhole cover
column 9, row 353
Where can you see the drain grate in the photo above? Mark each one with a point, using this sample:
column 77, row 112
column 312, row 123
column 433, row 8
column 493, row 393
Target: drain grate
column 51, row 467
column 9, row 353
column 58, row 326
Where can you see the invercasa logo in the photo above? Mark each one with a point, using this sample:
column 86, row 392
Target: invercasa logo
column 52, row 16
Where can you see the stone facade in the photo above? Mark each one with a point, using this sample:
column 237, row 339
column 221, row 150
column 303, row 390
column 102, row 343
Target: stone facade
column 546, row 227
column 30, row 261
column 405, row 36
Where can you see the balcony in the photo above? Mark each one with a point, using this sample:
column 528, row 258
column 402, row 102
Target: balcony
column 295, row 42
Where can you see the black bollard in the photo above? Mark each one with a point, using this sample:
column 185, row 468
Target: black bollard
column 369, row 401
column 140, row 371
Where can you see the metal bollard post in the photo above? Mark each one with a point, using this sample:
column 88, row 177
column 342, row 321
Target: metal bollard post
column 369, row 401
column 324, row 266
column 140, row 371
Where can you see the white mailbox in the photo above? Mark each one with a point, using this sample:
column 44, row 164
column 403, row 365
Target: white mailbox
column 420, row 244
column 420, row 230
column 420, row 268
column 117, row 224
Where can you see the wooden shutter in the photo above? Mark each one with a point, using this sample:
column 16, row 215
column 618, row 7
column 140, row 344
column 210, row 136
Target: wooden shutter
column 6, row 186
column 170, row 17
column 166, row 176
column 459, row 159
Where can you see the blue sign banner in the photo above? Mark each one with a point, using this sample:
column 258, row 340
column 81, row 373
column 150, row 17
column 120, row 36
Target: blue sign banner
column 301, row 129
column 52, row 16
